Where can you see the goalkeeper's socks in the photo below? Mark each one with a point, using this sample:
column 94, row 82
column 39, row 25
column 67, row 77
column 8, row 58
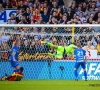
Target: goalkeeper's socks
column 76, row 74
column 85, row 75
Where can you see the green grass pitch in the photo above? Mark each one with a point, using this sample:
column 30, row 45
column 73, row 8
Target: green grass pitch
column 50, row 85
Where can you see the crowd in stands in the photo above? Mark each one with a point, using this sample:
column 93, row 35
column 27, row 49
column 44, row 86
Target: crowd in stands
column 51, row 12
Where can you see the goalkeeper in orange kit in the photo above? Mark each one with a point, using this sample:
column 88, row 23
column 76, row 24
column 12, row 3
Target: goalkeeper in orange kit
column 16, row 76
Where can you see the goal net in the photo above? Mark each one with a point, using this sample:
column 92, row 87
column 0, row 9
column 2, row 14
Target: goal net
column 42, row 61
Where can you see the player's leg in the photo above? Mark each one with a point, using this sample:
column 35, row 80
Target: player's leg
column 15, row 66
column 83, row 65
column 71, row 53
column 4, row 77
column 56, row 56
column 77, row 64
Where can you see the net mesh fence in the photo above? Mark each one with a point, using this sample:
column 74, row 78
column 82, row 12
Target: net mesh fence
column 31, row 47
column 36, row 58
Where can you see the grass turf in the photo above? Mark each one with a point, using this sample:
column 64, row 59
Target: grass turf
column 50, row 85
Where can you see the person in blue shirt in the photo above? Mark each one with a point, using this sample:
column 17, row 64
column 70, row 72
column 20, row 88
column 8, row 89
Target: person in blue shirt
column 45, row 15
column 14, row 56
column 80, row 56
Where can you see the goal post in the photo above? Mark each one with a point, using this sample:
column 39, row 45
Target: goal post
column 49, row 25
column 36, row 58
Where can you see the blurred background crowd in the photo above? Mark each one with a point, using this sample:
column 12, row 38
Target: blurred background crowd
column 51, row 12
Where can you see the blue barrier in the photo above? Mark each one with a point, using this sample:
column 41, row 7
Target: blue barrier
column 55, row 70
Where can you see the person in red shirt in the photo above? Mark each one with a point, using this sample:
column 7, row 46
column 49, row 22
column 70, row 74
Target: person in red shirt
column 36, row 14
column 16, row 76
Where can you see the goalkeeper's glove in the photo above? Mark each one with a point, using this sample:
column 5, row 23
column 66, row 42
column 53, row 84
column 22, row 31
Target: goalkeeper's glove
column 47, row 43
column 50, row 54
column 42, row 42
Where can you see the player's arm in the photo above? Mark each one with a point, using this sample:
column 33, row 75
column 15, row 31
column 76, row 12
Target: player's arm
column 85, row 57
column 49, row 44
column 13, row 54
column 74, row 56
column 5, row 78
column 74, row 46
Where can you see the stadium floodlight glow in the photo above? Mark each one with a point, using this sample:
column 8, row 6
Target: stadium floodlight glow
column 49, row 25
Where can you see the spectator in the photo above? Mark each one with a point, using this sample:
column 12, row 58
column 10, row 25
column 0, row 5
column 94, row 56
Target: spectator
column 96, row 14
column 43, row 30
column 21, row 5
column 64, row 20
column 31, row 20
column 82, row 18
column 23, row 20
column 35, row 30
column 54, row 30
column 9, row 22
column 94, row 41
column 59, row 14
column 25, row 46
column 73, row 7
column 11, row 40
column 18, row 16
column 34, row 6
column 98, row 47
column 5, row 50
column 14, row 3
column 30, row 3
column 36, row 14
column 89, row 46
column 52, row 20
column 70, row 14
column 7, row 4
column 1, row 7
column 90, row 11
column 98, row 3
column 41, row 21
column 54, row 3
column 45, row 15
column 33, row 47
column 5, row 37
column 27, row 14
column 41, row 7
column 78, row 39
column 92, row 16
column 90, row 20
column 13, row 19
column 79, row 11
column 84, row 7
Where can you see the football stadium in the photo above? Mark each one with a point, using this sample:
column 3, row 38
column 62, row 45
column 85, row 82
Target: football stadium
column 49, row 45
